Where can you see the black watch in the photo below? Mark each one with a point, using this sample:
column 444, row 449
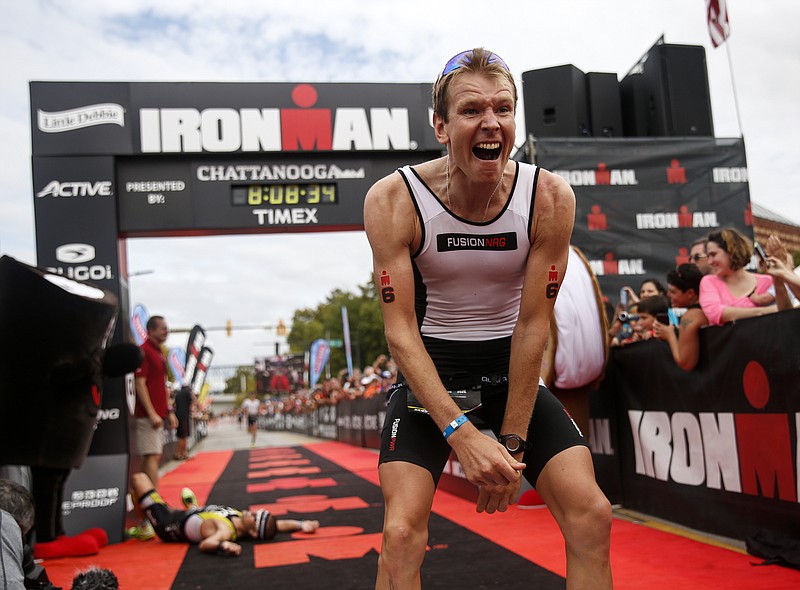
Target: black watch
column 513, row 443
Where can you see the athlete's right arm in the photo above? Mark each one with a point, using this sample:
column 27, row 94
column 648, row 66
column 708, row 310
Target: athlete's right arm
column 217, row 538
column 393, row 231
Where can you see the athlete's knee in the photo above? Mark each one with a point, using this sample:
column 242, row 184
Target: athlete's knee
column 402, row 537
column 589, row 522
column 141, row 484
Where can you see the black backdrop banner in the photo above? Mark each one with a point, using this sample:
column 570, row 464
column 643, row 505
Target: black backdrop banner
column 716, row 448
column 641, row 202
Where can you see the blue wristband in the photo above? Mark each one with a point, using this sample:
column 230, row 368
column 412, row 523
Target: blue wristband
column 454, row 425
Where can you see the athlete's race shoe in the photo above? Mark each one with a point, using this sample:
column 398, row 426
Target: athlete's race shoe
column 143, row 532
column 188, row 498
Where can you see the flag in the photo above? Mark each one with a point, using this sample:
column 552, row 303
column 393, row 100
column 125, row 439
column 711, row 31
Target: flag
column 197, row 338
column 346, row 331
column 718, row 27
column 139, row 317
column 177, row 362
column 320, row 349
column 203, row 363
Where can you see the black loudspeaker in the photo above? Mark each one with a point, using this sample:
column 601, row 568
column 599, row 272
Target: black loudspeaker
column 556, row 103
column 605, row 106
column 666, row 94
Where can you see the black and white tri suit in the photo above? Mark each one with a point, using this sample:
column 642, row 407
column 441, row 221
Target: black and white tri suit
column 468, row 280
column 180, row 526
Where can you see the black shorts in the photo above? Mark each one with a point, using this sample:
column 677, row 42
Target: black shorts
column 184, row 426
column 251, row 420
column 414, row 437
column 167, row 522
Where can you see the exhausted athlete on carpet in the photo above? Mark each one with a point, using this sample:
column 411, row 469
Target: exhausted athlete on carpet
column 214, row 528
column 469, row 252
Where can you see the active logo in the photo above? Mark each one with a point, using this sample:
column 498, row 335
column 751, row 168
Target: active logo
column 56, row 188
column 88, row 116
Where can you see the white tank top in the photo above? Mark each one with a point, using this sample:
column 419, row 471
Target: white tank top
column 468, row 275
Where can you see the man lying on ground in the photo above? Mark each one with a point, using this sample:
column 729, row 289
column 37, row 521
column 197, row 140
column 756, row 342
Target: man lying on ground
column 214, row 528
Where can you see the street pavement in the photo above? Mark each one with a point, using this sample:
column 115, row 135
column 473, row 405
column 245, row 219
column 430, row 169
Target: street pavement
column 227, row 433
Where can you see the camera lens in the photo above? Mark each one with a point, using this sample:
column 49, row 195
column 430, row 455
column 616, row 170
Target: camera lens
column 626, row 317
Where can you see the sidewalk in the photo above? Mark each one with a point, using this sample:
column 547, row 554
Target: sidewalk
column 228, row 434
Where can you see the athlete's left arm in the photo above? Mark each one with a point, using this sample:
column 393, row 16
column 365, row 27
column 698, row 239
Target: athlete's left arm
column 551, row 230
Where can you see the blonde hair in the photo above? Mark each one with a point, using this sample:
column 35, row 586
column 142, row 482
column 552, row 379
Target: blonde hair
column 476, row 61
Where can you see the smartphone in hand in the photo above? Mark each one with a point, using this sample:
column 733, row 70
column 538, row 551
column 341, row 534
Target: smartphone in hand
column 663, row 318
column 760, row 252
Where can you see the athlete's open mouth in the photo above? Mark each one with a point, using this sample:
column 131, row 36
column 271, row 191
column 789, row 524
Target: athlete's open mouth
column 487, row 150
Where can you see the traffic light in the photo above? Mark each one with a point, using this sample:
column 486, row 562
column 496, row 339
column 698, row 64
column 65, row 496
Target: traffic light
column 280, row 330
column 228, row 327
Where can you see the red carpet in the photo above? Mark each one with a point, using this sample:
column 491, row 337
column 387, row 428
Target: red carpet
column 337, row 484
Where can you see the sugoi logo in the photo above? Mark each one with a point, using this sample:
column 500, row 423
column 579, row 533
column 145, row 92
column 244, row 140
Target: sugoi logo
column 88, row 116
column 76, row 189
column 75, row 253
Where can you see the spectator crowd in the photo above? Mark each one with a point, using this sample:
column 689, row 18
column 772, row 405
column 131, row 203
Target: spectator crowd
column 727, row 278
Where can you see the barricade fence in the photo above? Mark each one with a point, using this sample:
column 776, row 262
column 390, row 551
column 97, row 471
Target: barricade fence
column 716, row 449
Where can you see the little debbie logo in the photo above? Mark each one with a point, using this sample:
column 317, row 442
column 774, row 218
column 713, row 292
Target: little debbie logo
column 88, row 116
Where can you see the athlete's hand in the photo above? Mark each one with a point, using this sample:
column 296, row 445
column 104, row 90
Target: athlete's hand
column 485, row 461
column 230, row 548
column 492, row 498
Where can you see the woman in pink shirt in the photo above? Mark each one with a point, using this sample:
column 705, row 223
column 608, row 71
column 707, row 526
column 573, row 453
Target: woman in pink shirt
column 731, row 292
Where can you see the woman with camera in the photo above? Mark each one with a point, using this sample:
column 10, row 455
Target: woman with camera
column 683, row 287
column 731, row 292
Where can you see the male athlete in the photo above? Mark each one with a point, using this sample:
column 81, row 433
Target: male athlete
column 469, row 252
column 215, row 529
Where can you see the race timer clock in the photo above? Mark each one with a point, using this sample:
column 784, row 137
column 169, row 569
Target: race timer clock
column 284, row 195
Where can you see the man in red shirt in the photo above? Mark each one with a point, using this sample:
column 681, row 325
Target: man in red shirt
column 152, row 407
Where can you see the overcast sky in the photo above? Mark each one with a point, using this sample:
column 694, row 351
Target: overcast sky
column 258, row 280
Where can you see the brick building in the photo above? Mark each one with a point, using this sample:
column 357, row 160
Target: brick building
column 767, row 223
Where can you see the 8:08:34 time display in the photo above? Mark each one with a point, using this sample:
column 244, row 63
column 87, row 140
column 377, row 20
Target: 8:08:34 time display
column 282, row 195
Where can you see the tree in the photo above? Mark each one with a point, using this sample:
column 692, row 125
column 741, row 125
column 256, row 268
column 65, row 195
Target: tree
column 325, row 321
column 244, row 376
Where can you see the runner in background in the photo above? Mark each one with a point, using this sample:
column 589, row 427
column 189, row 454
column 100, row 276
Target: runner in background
column 250, row 407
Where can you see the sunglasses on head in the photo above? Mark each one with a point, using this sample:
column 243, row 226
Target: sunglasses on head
column 458, row 61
